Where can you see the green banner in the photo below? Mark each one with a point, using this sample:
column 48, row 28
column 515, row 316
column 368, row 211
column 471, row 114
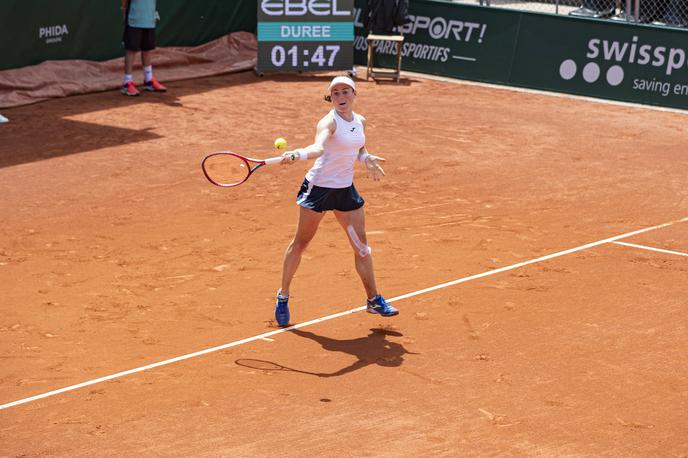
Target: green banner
column 596, row 58
column 603, row 59
column 33, row 31
column 38, row 30
column 469, row 42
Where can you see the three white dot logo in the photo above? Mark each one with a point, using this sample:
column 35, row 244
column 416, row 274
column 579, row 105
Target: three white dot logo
column 591, row 72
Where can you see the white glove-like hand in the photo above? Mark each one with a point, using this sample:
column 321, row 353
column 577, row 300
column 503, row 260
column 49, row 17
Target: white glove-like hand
column 373, row 168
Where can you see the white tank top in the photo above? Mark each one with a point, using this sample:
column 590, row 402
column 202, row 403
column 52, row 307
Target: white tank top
column 335, row 167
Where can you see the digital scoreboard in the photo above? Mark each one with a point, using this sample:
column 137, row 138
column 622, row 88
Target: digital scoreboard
column 305, row 35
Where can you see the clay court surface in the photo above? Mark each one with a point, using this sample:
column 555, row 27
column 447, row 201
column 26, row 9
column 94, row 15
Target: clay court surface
column 116, row 253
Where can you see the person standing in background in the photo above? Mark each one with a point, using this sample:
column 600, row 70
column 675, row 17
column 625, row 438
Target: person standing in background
column 139, row 35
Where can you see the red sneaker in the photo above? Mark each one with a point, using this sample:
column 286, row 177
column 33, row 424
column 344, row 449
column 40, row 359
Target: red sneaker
column 129, row 88
column 154, row 86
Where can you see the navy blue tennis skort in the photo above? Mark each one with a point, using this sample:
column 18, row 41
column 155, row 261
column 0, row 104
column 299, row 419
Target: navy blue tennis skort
column 321, row 199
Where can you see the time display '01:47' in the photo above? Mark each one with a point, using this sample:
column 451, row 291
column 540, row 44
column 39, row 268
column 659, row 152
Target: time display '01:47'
column 296, row 56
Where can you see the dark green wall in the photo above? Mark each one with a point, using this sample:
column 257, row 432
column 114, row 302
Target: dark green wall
column 595, row 58
column 556, row 53
column 32, row 31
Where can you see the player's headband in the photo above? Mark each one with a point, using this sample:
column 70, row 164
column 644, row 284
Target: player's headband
column 342, row 80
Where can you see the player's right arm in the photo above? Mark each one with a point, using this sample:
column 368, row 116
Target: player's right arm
column 125, row 3
column 324, row 130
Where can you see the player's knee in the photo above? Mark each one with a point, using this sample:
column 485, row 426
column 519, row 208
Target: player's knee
column 360, row 247
column 298, row 245
column 364, row 251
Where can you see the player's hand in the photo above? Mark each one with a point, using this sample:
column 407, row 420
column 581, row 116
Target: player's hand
column 289, row 157
column 373, row 168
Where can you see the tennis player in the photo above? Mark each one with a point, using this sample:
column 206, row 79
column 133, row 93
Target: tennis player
column 339, row 143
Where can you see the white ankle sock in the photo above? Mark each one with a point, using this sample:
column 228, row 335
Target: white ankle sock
column 148, row 73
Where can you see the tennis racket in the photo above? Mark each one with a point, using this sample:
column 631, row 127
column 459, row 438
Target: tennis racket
column 227, row 169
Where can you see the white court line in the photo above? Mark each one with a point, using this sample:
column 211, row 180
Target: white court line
column 643, row 247
column 540, row 259
column 470, row 59
column 265, row 335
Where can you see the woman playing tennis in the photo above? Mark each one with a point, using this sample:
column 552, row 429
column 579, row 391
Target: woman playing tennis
column 339, row 143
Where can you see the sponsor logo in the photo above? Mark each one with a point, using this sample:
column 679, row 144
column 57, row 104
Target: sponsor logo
column 440, row 28
column 302, row 8
column 53, row 33
column 591, row 72
column 670, row 59
column 411, row 50
column 619, row 58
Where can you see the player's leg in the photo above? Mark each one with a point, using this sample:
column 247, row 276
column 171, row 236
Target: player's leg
column 353, row 223
column 306, row 228
column 305, row 231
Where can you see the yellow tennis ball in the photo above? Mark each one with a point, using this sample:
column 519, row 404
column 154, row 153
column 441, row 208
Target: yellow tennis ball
column 280, row 143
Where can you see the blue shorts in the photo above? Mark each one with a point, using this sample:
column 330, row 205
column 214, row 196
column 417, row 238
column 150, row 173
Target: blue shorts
column 321, row 199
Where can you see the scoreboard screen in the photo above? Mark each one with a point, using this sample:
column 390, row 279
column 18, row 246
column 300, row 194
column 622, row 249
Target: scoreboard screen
column 305, row 35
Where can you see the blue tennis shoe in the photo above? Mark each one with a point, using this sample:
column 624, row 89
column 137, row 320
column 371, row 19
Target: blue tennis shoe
column 380, row 306
column 282, row 310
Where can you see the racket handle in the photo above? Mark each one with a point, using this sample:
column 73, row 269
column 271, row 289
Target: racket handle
column 273, row 160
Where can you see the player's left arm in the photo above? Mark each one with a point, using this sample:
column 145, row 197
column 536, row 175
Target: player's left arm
column 372, row 162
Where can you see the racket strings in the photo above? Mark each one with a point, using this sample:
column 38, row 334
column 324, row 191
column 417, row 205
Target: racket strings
column 226, row 169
